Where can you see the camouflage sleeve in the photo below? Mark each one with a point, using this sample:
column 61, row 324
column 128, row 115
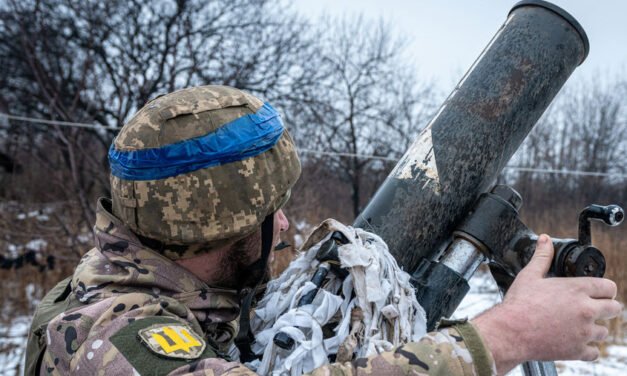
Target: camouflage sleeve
column 455, row 350
column 213, row 367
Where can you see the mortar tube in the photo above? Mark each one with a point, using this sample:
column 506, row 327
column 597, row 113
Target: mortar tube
column 481, row 124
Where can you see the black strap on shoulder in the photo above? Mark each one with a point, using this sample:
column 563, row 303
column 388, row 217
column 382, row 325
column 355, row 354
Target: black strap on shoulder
column 245, row 337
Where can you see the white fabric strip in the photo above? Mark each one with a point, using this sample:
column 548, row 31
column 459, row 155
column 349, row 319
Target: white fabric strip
column 375, row 284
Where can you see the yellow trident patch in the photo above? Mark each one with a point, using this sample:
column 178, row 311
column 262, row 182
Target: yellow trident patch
column 173, row 340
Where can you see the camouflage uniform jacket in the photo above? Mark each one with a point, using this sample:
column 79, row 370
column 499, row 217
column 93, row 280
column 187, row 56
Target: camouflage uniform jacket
column 143, row 314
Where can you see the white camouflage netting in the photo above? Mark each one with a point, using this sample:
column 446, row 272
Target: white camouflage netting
column 373, row 309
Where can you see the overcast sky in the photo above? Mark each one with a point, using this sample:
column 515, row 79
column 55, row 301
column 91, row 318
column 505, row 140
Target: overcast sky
column 445, row 36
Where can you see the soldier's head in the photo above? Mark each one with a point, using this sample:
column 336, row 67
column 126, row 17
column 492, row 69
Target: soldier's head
column 199, row 170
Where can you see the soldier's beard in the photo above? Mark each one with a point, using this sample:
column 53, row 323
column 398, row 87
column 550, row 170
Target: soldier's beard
column 237, row 273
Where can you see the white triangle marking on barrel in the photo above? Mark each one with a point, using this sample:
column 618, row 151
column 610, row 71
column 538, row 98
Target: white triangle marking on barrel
column 419, row 160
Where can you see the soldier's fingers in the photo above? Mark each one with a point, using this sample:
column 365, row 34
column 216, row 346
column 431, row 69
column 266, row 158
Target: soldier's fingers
column 590, row 353
column 598, row 288
column 607, row 308
column 542, row 258
column 599, row 333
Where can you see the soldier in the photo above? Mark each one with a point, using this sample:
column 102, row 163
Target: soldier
column 198, row 179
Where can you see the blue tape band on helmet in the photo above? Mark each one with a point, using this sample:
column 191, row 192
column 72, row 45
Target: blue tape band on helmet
column 245, row 137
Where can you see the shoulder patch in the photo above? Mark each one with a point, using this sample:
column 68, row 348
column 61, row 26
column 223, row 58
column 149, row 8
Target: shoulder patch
column 146, row 359
column 173, row 340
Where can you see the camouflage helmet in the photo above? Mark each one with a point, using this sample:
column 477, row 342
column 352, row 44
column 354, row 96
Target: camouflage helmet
column 200, row 168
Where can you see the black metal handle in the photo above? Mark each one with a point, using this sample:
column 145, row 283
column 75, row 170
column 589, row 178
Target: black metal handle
column 611, row 215
column 317, row 279
column 283, row 340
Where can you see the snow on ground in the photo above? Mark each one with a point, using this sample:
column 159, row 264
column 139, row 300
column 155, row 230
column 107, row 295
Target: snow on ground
column 12, row 345
column 484, row 294
column 86, row 238
column 303, row 229
column 41, row 215
column 36, row 244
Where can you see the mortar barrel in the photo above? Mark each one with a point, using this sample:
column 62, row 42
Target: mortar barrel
column 475, row 132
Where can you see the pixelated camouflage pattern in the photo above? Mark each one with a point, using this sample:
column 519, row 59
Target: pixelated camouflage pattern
column 120, row 281
column 184, row 114
column 198, row 211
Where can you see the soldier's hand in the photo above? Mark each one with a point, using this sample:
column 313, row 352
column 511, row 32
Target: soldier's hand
column 548, row 318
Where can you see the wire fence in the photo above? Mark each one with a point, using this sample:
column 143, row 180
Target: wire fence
column 31, row 120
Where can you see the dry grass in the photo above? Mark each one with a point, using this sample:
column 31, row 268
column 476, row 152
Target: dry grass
column 22, row 285
column 20, row 224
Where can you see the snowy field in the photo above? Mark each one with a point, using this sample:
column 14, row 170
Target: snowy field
column 483, row 295
column 12, row 345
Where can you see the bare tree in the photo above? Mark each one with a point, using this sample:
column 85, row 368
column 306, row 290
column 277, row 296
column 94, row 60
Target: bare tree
column 365, row 102
column 98, row 62
column 584, row 130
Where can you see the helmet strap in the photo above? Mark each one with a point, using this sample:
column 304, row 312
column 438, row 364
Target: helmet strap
column 267, row 236
column 245, row 336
